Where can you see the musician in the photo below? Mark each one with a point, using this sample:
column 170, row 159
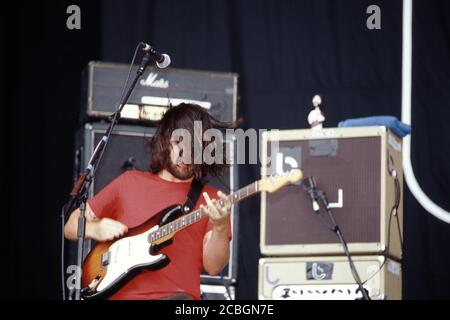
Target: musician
column 133, row 197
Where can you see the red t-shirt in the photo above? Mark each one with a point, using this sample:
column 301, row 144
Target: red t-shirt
column 134, row 197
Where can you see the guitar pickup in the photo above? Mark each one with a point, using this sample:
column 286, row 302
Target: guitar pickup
column 106, row 258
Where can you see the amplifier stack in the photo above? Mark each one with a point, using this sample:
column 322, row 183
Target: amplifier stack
column 128, row 147
column 360, row 170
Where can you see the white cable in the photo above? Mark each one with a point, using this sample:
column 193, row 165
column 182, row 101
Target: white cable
column 410, row 178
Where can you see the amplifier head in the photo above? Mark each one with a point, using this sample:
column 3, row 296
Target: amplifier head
column 328, row 278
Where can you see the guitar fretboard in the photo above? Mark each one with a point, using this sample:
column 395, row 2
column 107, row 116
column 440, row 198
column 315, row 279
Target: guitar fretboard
column 196, row 215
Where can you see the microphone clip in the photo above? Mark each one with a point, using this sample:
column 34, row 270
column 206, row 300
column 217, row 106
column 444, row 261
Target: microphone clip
column 309, row 184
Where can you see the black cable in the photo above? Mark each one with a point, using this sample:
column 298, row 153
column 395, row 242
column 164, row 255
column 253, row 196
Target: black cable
column 119, row 105
column 335, row 228
column 387, row 247
column 350, row 261
column 394, row 212
column 63, row 277
column 376, row 272
column 129, row 73
column 396, row 205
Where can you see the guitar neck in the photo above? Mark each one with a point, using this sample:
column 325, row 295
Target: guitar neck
column 196, row 215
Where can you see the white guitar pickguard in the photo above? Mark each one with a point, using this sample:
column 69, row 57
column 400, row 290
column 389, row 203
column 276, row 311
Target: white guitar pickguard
column 127, row 253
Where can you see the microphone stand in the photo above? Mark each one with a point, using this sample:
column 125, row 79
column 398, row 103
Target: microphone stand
column 79, row 193
column 335, row 228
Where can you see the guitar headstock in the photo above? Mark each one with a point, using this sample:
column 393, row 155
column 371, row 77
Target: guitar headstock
column 273, row 183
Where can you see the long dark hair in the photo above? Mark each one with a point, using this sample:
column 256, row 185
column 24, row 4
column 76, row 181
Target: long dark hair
column 183, row 117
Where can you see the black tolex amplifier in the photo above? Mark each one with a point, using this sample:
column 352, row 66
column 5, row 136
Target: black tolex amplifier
column 155, row 90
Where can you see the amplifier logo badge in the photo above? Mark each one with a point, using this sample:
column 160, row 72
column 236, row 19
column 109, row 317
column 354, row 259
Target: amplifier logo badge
column 153, row 82
column 285, row 159
column 319, row 271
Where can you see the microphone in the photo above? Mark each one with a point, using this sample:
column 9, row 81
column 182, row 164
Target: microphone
column 309, row 184
column 162, row 60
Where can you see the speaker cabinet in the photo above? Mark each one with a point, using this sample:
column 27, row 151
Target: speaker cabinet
column 328, row 278
column 359, row 169
column 128, row 148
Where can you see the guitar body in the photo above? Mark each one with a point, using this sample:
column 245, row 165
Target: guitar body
column 111, row 264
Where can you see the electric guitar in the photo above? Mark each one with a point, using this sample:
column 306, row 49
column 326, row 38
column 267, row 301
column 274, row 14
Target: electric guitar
column 110, row 264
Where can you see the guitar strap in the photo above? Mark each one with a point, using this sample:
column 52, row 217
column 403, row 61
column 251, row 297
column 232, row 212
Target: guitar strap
column 193, row 195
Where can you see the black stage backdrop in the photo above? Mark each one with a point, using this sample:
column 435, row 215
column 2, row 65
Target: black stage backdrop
column 284, row 51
